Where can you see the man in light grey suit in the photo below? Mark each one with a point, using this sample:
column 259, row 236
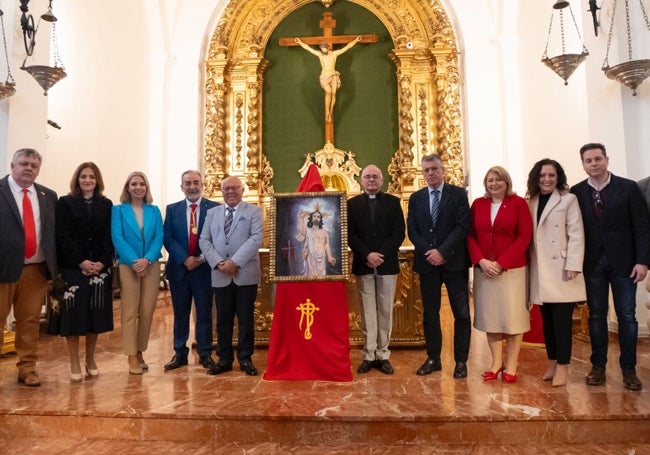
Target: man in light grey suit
column 230, row 241
column 28, row 252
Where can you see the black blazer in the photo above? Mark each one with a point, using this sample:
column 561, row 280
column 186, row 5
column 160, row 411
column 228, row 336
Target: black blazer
column 12, row 242
column 449, row 237
column 384, row 236
column 624, row 236
column 80, row 237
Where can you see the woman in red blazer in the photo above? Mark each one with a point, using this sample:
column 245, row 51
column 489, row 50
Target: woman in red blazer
column 498, row 241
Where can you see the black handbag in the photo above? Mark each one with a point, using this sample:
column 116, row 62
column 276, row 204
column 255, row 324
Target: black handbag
column 57, row 290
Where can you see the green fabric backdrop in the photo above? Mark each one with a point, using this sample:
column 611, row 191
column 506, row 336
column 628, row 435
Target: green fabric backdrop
column 365, row 114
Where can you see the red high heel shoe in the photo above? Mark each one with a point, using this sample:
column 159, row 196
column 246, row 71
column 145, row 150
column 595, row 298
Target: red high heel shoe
column 492, row 375
column 508, row 378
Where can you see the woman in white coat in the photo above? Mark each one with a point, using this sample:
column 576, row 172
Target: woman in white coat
column 556, row 254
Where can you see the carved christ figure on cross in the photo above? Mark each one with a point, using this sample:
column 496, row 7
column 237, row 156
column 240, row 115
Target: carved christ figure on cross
column 329, row 78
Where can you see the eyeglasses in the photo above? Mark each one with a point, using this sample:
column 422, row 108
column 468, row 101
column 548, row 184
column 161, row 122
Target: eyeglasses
column 598, row 202
column 371, row 177
column 230, row 188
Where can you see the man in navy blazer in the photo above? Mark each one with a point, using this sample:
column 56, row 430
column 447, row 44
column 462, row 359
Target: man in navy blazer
column 187, row 271
column 230, row 242
column 24, row 275
column 438, row 223
column 617, row 253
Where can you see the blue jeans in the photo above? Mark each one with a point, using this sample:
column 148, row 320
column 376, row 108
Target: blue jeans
column 624, row 292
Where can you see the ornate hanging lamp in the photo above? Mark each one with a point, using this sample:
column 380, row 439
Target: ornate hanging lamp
column 564, row 64
column 45, row 75
column 633, row 72
column 8, row 87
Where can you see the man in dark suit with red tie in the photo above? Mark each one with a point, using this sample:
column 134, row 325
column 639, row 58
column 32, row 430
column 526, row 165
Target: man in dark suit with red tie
column 28, row 252
column 188, row 272
column 438, row 223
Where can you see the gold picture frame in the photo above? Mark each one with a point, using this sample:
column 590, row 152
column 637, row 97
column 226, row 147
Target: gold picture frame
column 309, row 237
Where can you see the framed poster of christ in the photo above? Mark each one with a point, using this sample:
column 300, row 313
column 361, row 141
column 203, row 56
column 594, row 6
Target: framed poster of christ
column 309, row 237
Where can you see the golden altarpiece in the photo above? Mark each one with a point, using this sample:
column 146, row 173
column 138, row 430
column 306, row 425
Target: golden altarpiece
column 425, row 56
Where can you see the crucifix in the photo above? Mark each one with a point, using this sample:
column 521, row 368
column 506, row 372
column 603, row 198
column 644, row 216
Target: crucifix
column 329, row 78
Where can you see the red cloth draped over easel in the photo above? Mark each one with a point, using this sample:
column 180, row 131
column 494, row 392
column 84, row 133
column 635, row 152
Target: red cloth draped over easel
column 321, row 352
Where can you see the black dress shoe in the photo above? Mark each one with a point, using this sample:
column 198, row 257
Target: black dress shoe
column 219, row 368
column 385, row 367
column 631, row 381
column 596, row 376
column 206, row 361
column 460, row 371
column 429, row 366
column 176, row 362
column 365, row 366
column 248, row 368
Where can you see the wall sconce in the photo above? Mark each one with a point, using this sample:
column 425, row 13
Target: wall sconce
column 593, row 8
column 8, row 87
column 633, row 72
column 45, row 75
column 564, row 64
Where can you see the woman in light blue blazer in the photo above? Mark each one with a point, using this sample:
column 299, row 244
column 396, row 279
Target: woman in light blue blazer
column 137, row 232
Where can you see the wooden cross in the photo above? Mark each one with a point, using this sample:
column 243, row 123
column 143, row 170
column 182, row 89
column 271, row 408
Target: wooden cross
column 328, row 24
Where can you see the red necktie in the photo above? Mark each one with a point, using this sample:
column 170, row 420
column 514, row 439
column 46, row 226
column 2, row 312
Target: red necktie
column 28, row 225
column 194, row 231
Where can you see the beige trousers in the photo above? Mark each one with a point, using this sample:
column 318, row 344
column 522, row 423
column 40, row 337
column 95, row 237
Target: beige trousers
column 27, row 296
column 139, row 296
column 377, row 293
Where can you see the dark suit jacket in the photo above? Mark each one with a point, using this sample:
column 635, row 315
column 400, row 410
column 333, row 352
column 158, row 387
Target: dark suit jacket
column 177, row 238
column 448, row 237
column 79, row 237
column 383, row 236
column 12, row 242
column 624, row 236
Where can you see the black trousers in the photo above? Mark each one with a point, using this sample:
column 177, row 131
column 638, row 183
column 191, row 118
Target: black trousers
column 240, row 301
column 458, row 291
column 558, row 330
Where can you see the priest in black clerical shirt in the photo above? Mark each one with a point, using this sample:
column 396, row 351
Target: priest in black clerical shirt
column 375, row 232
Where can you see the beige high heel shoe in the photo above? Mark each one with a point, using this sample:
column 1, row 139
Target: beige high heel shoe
column 134, row 365
column 141, row 361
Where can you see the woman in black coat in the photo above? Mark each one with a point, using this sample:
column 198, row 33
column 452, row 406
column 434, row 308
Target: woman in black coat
column 85, row 256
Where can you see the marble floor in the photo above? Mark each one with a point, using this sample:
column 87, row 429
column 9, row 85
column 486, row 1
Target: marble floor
column 187, row 410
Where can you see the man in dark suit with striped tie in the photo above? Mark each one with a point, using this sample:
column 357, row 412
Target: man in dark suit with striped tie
column 188, row 272
column 438, row 222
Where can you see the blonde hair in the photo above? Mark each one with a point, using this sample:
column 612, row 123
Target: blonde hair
column 502, row 174
column 126, row 196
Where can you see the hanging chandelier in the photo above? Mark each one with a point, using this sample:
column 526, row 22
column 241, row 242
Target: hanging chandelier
column 45, row 75
column 633, row 72
column 8, row 87
column 565, row 63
